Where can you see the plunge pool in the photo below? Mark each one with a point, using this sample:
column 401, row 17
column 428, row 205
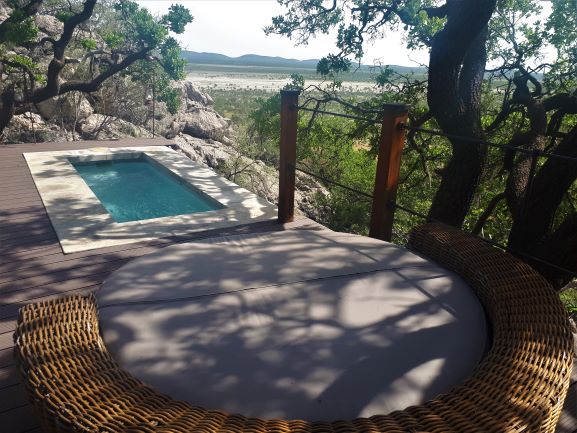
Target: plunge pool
column 139, row 189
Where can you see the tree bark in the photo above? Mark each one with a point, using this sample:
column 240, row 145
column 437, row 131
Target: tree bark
column 7, row 110
column 456, row 68
column 531, row 228
column 533, row 232
column 58, row 61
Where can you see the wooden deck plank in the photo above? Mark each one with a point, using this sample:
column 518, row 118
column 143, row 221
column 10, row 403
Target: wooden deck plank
column 9, row 376
column 18, row 280
column 20, row 420
column 32, row 231
column 12, row 397
column 7, row 327
column 28, row 194
column 42, row 285
column 6, row 357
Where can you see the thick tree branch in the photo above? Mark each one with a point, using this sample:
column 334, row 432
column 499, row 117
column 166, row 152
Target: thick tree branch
column 487, row 213
column 95, row 83
column 562, row 101
column 456, row 68
column 7, row 111
column 551, row 182
column 58, row 61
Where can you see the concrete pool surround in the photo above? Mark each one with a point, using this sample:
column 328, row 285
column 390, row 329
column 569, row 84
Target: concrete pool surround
column 82, row 223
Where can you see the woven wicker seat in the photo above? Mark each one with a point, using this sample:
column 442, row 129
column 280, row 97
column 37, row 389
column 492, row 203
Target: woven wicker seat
column 75, row 385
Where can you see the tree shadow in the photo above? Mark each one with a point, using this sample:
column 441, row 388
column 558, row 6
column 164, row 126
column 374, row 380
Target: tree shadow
column 293, row 325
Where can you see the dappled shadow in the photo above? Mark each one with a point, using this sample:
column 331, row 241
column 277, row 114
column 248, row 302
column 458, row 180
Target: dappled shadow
column 294, row 325
column 33, row 267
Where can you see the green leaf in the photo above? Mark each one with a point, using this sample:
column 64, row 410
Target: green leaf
column 63, row 16
column 88, row 44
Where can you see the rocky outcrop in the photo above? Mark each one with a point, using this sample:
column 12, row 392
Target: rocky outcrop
column 211, row 153
column 30, row 128
column 101, row 127
column 205, row 123
column 48, row 25
column 5, row 11
column 196, row 117
column 69, row 109
column 191, row 94
column 252, row 174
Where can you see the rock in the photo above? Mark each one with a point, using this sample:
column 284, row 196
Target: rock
column 208, row 152
column 205, row 123
column 251, row 174
column 30, row 128
column 69, row 108
column 101, row 127
column 49, row 25
column 5, row 11
column 192, row 94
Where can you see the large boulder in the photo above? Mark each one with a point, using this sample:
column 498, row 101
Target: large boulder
column 102, row 127
column 191, row 95
column 5, row 11
column 30, row 128
column 70, row 108
column 49, row 25
column 204, row 123
column 211, row 153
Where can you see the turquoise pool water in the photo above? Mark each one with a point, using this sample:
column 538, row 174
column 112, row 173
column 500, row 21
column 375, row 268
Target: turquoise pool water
column 139, row 189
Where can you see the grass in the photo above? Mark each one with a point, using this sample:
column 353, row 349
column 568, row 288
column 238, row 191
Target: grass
column 569, row 299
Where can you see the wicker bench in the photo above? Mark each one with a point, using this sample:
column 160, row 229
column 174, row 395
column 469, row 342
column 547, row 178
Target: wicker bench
column 75, row 385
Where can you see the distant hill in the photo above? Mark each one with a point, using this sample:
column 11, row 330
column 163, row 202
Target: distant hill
column 275, row 62
column 247, row 60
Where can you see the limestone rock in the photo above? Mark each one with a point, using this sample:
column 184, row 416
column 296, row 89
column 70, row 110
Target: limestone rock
column 69, row 108
column 192, row 94
column 5, row 11
column 30, row 128
column 251, row 174
column 49, row 25
column 101, row 127
column 204, row 123
column 211, row 153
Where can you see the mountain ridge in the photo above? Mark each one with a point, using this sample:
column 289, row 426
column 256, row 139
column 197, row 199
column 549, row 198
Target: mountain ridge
column 208, row 58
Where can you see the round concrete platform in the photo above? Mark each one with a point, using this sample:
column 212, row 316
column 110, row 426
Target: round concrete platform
column 295, row 324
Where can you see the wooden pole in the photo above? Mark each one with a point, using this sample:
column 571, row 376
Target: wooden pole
column 391, row 146
column 288, row 154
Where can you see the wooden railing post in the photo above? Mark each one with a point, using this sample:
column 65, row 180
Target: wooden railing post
column 391, row 146
column 288, row 154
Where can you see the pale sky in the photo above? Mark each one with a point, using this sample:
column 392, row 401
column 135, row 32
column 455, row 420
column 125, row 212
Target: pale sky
column 234, row 28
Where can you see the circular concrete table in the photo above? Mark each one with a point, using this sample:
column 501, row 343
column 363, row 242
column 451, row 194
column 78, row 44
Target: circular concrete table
column 295, row 324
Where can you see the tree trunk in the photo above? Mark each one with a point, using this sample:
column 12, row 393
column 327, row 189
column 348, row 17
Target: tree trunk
column 456, row 69
column 531, row 230
column 7, row 110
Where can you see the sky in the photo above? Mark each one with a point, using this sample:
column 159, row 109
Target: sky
column 235, row 27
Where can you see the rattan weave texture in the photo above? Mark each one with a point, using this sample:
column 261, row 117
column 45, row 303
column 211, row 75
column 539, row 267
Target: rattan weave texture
column 75, row 385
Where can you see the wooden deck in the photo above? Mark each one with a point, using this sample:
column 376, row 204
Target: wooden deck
column 33, row 268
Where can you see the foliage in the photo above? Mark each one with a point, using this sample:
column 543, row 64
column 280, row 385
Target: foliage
column 569, row 299
column 104, row 38
column 525, row 99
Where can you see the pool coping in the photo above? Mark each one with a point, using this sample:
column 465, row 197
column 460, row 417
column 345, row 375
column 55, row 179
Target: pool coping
column 82, row 223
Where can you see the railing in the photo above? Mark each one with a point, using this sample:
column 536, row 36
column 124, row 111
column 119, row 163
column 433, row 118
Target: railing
column 391, row 144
